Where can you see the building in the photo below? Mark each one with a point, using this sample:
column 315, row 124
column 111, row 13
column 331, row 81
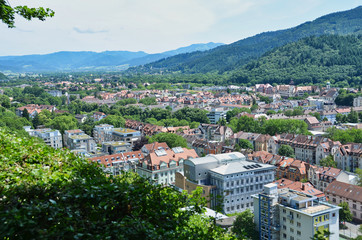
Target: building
column 77, row 139
column 126, row 135
column 357, row 102
column 161, row 164
column 338, row 192
column 288, row 214
column 116, row 147
column 34, row 109
column 306, row 188
column 231, row 176
column 52, row 138
column 102, row 133
column 55, row 93
column 321, row 177
column 215, row 115
column 117, row 163
column 349, row 157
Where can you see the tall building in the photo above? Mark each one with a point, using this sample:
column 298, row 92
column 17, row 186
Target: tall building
column 102, row 133
column 51, row 137
column 234, row 179
column 292, row 215
column 77, row 139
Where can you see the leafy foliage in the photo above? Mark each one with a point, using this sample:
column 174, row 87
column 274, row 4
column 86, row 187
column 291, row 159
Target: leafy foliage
column 328, row 162
column 53, row 194
column 7, row 13
column 345, row 136
column 345, row 214
column 172, row 140
column 286, row 150
column 244, row 226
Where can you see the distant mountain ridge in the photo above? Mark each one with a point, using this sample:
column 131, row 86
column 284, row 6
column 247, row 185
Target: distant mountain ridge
column 235, row 55
column 87, row 60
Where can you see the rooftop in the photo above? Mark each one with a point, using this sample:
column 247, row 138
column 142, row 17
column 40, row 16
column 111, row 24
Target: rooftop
column 116, row 144
column 315, row 209
column 124, row 130
column 80, row 136
column 241, row 166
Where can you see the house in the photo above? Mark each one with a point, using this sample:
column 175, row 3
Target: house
column 77, row 139
column 161, row 165
column 349, row 157
column 102, row 133
column 97, row 116
column 34, row 109
column 306, row 188
column 125, row 135
column 117, row 163
column 321, row 177
column 338, row 192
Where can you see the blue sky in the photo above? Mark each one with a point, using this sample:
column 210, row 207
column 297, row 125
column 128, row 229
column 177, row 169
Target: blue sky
column 157, row 25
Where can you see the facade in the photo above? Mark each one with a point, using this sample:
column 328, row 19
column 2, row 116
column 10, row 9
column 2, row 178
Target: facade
column 231, row 177
column 117, row 163
column 161, row 164
column 349, row 157
column 116, row 147
column 288, row 214
column 125, row 135
column 52, row 138
column 339, row 192
column 102, row 133
column 215, row 115
column 77, row 139
column 357, row 102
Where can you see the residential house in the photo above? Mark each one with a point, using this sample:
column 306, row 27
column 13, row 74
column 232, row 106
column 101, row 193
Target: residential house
column 52, row 138
column 338, row 192
column 77, row 139
column 349, row 157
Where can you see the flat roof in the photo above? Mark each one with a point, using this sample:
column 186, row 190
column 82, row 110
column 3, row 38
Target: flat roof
column 80, row 136
column 118, row 143
column 124, row 130
column 241, row 166
column 315, row 209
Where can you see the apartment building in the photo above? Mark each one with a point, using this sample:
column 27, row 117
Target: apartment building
column 77, row 139
column 231, row 176
column 161, row 164
column 102, row 133
column 117, row 163
column 115, row 147
column 52, row 138
column 338, row 192
column 292, row 215
column 126, row 135
column 349, row 157
column 216, row 114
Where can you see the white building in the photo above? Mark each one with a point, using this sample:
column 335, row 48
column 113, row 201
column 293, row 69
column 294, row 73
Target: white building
column 235, row 178
column 357, row 102
column 77, row 139
column 288, row 214
column 51, row 137
column 216, row 114
column 161, row 164
column 102, row 133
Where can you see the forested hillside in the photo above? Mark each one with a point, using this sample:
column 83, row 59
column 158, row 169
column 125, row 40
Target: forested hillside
column 233, row 56
column 309, row 61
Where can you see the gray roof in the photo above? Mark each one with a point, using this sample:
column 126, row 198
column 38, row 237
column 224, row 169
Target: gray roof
column 241, row 166
column 225, row 157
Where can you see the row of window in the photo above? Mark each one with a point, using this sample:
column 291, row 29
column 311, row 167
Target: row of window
column 237, row 207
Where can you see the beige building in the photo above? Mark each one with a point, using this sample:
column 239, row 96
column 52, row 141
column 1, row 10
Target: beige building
column 339, row 192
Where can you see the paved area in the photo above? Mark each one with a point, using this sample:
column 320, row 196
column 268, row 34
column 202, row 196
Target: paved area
column 351, row 231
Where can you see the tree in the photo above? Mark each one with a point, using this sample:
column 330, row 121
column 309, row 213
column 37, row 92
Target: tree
column 328, row 162
column 245, row 144
column 322, row 235
column 4, row 101
column 36, row 121
column 286, row 150
column 345, row 214
column 63, row 196
column 222, row 121
column 115, row 120
column 172, row 140
column 26, row 114
column 63, row 123
column 7, row 13
column 244, row 226
column 359, row 173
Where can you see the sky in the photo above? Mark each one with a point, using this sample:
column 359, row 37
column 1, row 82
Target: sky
column 154, row 26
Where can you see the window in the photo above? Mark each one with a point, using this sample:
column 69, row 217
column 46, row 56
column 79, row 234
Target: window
column 298, row 233
column 298, row 224
column 284, row 227
column 291, row 230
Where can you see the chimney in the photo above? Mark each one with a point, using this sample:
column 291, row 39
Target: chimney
column 303, row 188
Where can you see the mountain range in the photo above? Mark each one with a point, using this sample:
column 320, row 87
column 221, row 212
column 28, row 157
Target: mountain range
column 83, row 61
column 235, row 55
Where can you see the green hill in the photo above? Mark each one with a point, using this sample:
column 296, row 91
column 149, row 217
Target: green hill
column 233, row 56
column 309, row 61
